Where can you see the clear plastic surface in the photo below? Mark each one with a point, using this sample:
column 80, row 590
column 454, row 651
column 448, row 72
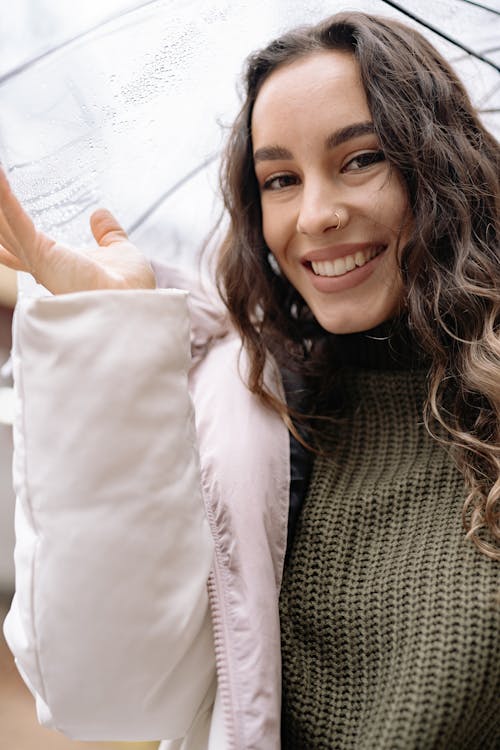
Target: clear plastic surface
column 126, row 104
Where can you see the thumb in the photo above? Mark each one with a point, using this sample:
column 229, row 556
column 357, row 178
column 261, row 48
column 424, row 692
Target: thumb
column 106, row 228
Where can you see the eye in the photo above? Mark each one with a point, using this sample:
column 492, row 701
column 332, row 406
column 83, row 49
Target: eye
column 363, row 160
column 279, row 182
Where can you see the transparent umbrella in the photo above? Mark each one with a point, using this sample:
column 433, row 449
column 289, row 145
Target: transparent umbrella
column 125, row 104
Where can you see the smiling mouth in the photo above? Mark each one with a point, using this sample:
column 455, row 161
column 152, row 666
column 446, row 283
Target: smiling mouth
column 341, row 266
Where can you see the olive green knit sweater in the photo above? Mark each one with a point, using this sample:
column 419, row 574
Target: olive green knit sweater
column 390, row 630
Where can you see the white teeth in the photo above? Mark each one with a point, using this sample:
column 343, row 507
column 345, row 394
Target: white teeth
column 329, row 268
column 341, row 266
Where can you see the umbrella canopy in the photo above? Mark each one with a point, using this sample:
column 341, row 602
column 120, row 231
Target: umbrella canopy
column 126, row 104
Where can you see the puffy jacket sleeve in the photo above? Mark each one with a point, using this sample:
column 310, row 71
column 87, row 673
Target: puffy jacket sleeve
column 109, row 625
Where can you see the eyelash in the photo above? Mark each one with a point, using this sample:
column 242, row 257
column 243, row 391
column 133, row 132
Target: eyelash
column 268, row 183
column 365, row 159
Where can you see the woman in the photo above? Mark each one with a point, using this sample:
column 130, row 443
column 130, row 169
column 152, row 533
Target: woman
column 361, row 273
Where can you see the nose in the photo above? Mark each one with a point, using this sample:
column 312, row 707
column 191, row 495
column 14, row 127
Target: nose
column 321, row 209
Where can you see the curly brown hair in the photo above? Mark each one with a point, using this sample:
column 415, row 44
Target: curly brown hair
column 449, row 162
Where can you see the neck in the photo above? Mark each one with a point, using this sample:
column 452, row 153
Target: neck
column 389, row 346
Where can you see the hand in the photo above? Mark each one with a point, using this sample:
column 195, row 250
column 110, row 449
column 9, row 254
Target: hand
column 115, row 264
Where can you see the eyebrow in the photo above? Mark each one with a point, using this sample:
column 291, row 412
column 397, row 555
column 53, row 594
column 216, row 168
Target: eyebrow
column 272, row 153
column 277, row 153
column 350, row 131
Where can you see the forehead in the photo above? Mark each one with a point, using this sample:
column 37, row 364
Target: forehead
column 321, row 90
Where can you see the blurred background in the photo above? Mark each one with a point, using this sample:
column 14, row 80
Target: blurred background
column 126, row 104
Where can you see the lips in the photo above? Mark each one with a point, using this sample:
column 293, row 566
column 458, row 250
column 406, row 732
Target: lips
column 338, row 268
column 342, row 265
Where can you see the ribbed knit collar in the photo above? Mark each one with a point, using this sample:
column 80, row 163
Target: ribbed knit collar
column 388, row 346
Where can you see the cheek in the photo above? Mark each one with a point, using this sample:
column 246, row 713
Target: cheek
column 278, row 229
column 271, row 231
column 266, row 227
column 398, row 205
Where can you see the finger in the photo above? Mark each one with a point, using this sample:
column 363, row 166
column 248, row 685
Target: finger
column 9, row 260
column 7, row 237
column 17, row 227
column 106, row 228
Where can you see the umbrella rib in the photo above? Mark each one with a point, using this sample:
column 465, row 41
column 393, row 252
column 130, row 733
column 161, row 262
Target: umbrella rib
column 442, row 34
column 488, row 96
column 483, row 7
column 32, row 61
column 171, row 190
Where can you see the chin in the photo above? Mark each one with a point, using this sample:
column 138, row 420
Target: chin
column 354, row 323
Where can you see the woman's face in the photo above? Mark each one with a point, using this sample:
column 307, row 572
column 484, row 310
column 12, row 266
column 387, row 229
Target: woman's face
column 318, row 162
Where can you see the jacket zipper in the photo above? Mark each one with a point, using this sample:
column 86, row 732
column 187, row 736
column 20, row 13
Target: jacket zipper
column 220, row 638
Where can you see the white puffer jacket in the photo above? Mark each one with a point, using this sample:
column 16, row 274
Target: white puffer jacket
column 150, row 536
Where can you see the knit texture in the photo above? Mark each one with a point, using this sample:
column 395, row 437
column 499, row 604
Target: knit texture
column 390, row 628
